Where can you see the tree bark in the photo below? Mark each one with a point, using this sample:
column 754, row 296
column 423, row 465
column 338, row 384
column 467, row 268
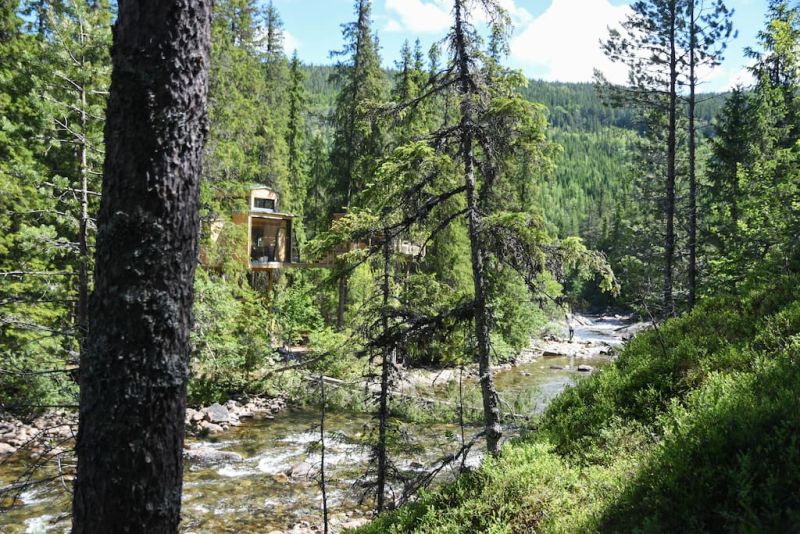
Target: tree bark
column 134, row 366
column 491, row 411
column 692, row 157
column 669, row 209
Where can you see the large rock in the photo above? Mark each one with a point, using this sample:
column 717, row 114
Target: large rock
column 216, row 413
column 211, row 428
column 301, row 470
column 6, row 450
column 355, row 523
column 211, row 456
column 585, row 368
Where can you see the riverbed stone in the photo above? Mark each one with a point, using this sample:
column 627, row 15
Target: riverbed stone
column 355, row 523
column 216, row 413
column 281, row 478
column 585, row 368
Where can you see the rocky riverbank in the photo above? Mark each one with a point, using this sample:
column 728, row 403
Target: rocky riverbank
column 53, row 433
column 592, row 337
column 219, row 418
column 48, row 435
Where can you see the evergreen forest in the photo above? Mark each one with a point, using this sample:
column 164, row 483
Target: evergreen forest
column 243, row 292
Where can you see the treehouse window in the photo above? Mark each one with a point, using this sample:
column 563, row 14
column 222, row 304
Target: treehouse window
column 264, row 203
column 270, row 241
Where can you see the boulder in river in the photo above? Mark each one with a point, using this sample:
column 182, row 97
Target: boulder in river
column 216, row 413
column 585, row 368
column 7, row 450
column 211, row 456
column 301, row 470
column 212, row 428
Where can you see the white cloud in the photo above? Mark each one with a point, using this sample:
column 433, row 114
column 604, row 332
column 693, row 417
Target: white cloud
column 519, row 15
column 418, row 16
column 393, row 26
column 290, row 42
column 740, row 77
column 565, row 40
column 434, row 16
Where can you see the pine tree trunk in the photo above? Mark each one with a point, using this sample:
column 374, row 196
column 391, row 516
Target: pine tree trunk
column 83, row 228
column 134, row 366
column 322, row 481
column 340, row 309
column 669, row 211
column 692, row 158
column 491, row 411
column 386, row 365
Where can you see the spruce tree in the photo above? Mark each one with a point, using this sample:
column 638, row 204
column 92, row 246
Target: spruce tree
column 769, row 223
column 357, row 138
column 295, row 140
column 731, row 156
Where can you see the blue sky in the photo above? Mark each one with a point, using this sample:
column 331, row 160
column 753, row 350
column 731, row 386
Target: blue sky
column 553, row 39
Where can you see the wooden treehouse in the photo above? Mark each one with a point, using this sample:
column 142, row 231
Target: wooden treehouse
column 269, row 232
column 270, row 240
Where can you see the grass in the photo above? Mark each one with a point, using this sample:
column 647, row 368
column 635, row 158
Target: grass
column 694, row 428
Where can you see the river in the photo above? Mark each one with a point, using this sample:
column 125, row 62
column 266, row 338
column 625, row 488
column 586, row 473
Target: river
column 256, row 495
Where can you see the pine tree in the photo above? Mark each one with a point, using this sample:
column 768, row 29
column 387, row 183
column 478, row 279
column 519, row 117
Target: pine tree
column 649, row 47
column 708, row 29
column 134, row 366
column 76, row 54
column 38, row 283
